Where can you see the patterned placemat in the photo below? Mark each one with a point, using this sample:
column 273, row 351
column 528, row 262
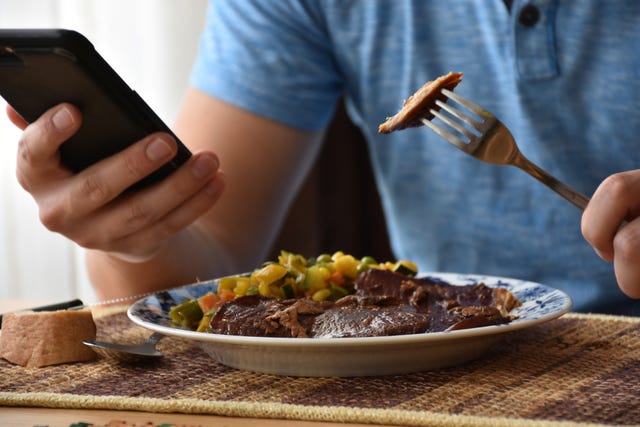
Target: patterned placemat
column 576, row 370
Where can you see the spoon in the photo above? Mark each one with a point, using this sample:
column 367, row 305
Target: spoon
column 128, row 352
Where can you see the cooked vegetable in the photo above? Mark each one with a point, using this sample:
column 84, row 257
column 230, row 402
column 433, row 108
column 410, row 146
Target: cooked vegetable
column 187, row 314
column 208, row 301
column 407, row 268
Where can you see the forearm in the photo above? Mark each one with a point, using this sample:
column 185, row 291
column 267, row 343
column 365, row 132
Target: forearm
column 187, row 257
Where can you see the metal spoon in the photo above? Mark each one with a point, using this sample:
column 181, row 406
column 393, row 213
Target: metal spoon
column 128, row 352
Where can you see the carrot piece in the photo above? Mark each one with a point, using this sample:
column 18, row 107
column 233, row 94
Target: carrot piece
column 338, row 278
column 227, row 296
column 208, row 301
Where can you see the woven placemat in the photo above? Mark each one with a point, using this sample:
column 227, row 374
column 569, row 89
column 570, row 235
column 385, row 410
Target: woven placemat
column 576, row 370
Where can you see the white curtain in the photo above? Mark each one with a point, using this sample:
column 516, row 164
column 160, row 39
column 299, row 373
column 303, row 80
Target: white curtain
column 151, row 44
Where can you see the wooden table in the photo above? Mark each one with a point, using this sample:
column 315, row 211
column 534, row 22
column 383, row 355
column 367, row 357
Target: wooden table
column 25, row 416
column 577, row 370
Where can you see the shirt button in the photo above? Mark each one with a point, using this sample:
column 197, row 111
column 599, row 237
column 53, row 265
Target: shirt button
column 529, row 15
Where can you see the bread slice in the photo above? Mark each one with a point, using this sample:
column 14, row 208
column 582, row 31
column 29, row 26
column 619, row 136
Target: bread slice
column 417, row 106
column 36, row 339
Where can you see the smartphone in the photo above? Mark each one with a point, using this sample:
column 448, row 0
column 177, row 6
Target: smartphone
column 40, row 68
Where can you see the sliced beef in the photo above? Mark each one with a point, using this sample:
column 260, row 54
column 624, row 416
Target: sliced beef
column 368, row 316
column 415, row 292
column 474, row 317
column 265, row 317
column 446, row 305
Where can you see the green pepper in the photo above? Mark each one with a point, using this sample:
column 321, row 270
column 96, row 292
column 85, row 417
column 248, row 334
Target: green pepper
column 288, row 291
column 368, row 260
column 187, row 314
column 337, row 291
column 203, row 325
column 323, row 259
column 404, row 269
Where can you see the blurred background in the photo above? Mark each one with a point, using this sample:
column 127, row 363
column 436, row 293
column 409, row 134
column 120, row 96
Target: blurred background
column 151, row 44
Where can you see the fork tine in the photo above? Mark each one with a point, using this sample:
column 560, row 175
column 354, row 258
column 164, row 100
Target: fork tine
column 475, row 108
column 457, row 126
column 445, row 134
column 460, row 115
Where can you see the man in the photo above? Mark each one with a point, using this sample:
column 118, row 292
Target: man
column 561, row 75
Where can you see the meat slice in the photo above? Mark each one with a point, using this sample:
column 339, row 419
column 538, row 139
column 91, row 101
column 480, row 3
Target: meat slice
column 417, row 106
column 356, row 316
column 474, row 317
column 446, row 305
column 408, row 290
column 266, row 317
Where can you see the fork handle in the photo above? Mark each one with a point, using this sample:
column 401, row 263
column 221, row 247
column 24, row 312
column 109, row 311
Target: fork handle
column 572, row 196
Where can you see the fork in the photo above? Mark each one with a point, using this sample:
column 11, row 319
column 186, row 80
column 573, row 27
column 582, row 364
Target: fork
column 489, row 140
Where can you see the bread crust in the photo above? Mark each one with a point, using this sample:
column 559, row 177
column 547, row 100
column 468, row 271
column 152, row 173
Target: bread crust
column 47, row 338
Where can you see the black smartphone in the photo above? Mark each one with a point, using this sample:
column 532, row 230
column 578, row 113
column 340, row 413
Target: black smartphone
column 40, row 68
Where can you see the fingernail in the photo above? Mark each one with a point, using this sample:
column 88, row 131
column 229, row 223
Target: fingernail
column 215, row 187
column 158, row 150
column 203, row 166
column 62, row 119
column 604, row 254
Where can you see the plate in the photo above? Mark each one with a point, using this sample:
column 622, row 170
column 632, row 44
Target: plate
column 345, row 357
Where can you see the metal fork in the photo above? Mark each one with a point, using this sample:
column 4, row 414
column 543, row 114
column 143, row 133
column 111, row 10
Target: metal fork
column 491, row 141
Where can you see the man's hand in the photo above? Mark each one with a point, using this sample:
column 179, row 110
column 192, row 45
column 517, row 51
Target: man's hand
column 91, row 208
column 611, row 224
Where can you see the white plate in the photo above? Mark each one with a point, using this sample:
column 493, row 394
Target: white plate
column 356, row 356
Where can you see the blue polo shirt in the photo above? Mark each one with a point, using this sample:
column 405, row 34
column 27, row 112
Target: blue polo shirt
column 563, row 76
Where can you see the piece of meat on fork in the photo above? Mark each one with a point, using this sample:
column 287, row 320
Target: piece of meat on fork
column 417, row 106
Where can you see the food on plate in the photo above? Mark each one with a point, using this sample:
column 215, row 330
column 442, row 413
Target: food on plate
column 338, row 296
column 36, row 339
column 326, row 277
column 384, row 303
column 417, row 106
